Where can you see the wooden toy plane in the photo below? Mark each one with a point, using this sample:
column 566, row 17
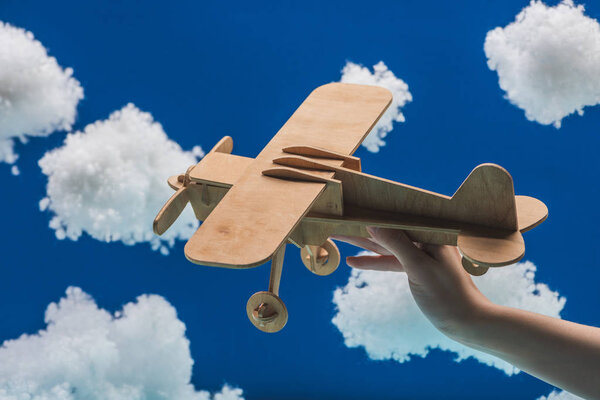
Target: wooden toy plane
column 306, row 186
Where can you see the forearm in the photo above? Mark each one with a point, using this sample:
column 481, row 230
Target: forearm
column 560, row 352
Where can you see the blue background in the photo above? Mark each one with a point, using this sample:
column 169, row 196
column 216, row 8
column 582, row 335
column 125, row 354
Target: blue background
column 205, row 70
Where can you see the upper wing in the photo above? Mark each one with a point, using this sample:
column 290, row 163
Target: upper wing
column 258, row 213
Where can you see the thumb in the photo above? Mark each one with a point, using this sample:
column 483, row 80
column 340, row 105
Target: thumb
column 399, row 245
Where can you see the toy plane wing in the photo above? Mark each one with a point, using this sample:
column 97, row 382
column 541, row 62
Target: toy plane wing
column 259, row 212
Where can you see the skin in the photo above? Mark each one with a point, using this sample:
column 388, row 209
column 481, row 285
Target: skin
column 562, row 353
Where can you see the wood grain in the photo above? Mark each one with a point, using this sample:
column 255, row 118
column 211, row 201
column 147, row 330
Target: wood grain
column 258, row 213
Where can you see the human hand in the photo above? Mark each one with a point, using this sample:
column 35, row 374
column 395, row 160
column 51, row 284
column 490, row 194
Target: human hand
column 441, row 287
column 560, row 352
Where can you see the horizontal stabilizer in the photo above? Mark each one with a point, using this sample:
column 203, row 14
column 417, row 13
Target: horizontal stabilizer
column 492, row 249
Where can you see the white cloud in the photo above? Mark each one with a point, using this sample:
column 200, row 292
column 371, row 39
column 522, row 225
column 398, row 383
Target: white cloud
column 381, row 76
column 548, row 61
column 37, row 96
column 111, row 180
column 556, row 395
column 375, row 310
column 140, row 352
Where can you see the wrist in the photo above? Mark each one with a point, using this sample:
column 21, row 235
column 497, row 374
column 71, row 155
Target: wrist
column 472, row 330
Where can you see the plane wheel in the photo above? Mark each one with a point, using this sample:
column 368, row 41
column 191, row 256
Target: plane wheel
column 474, row 269
column 267, row 311
column 321, row 260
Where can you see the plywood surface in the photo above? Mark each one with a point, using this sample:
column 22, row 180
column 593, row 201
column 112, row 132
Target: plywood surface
column 258, row 213
column 220, row 169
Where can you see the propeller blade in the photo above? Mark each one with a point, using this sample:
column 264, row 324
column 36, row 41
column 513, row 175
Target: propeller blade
column 170, row 211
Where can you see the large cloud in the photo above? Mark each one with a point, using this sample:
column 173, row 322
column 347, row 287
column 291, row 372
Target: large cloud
column 381, row 76
column 37, row 96
column 140, row 352
column 111, row 180
column 556, row 395
column 375, row 310
column 548, row 61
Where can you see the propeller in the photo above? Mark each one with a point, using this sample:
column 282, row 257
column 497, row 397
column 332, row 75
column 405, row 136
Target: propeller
column 174, row 206
column 169, row 213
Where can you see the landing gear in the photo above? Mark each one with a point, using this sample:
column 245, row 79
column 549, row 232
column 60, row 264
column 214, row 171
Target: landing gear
column 474, row 269
column 266, row 310
column 321, row 260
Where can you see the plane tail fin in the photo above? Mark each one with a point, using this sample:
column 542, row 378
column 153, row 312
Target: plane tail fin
column 487, row 198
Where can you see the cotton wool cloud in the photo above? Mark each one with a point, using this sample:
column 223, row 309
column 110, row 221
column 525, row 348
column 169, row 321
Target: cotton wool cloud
column 85, row 352
column 560, row 395
column 381, row 76
column 376, row 311
column 37, row 97
column 110, row 181
column 548, row 61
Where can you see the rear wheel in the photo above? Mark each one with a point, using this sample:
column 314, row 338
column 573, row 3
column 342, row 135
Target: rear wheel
column 474, row 269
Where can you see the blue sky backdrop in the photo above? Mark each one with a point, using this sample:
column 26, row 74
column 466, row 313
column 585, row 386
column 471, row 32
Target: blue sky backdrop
column 205, row 70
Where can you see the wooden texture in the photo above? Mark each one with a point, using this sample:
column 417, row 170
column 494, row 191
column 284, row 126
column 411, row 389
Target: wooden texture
column 329, row 202
column 267, row 312
column 483, row 208
column 321, row 260
column 225, row 145
column 486, row 197
column 530, row 212
column 276, row 270
column 350, row 162
column 491, row 248
column 220, row 169
column 258, row 213
column 306, row 186
column 327, row 216
column 474, row 269
column 170, row 211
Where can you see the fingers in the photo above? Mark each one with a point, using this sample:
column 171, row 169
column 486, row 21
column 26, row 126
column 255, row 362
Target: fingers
column 376, row 263
column 365, row 243
column 432, row 250
column 398, row 244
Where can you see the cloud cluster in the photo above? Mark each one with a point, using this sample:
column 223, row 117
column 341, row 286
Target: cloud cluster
column 110, row 181
column 375, row 310
column 548, row 60
column 140, row 352
column 37, row 96
column 381, row 76
column 555, row 395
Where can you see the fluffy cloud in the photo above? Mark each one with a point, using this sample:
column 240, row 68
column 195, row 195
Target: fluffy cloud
column 560, row 396
column 548, row 61
column 37, row 96
column 140, row 352
column 111, row 180
column 381, row 76
column 375, row 310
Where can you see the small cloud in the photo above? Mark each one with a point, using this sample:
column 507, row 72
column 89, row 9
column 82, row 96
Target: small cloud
column 381, row 76
column 110, row 181
column 37, row 96
column 562, row 395
column 376, row 310
column 548, row 61
column 140, row 352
